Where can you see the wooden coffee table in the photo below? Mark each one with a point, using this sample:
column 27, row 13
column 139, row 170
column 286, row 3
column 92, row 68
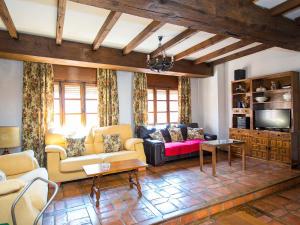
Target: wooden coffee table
column 131, row 166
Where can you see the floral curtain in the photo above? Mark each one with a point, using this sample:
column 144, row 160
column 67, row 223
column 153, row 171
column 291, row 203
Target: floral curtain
column 184, row 96
column 140, row 103
column 108, row 97
column 38, row 81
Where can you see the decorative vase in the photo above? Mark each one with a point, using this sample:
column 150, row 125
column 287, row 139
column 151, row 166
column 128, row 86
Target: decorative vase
column 287, row 96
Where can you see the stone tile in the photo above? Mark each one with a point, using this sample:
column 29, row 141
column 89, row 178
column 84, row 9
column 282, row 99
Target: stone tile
column 265, row 219
column 77, row 214
column 279, row 212
column 166, row 207
column 291, row 219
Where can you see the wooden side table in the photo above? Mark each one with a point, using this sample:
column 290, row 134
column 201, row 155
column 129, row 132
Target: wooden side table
column 212, row 146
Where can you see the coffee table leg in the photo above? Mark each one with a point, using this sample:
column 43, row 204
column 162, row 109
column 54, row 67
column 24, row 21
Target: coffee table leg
column 201, row 158
column 244, row 156
column 130, row 180
column 214, row 161
column 229, row 155
column 98, row 191
column 138, row 183
column 93, row 186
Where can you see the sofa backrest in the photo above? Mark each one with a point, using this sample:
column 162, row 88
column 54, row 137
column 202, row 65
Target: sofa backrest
column 94, row 138
column 143, row 131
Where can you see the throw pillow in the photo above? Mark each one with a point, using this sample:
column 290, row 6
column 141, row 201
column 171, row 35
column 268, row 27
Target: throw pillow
column 75, row 146
column 175, row 134
column 112, row 143
column 2, row 176
column 195, row 133
column 157, row 135
column 166, row 135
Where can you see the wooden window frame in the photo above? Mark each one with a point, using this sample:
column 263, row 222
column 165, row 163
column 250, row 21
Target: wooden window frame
column 61, row 88
column 167, row 101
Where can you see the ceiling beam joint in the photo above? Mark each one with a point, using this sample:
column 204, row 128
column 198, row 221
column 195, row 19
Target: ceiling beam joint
column 7, row 20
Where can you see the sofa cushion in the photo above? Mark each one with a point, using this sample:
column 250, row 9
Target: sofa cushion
column 112, row 143
column 165, row 133
column 38, row 192
column 118, row 156
column 175, row 134
column 73, row 164
column 17, row 163
column 11, row 186
column 75, row 146
column 124, row 130
column 55, row 137
column 157, row 135
column 180, row 148
column 195, row 133
column 183, row 129
column 143, row 132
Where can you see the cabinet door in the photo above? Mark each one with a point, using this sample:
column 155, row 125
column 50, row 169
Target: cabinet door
column 259, row 147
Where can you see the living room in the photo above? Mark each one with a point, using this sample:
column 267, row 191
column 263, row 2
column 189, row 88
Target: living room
column 140, row 112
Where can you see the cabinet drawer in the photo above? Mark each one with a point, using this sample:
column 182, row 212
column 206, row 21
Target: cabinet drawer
column 280, row 135
column 259, row 134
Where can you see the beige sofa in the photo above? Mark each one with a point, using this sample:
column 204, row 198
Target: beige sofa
column 20, row 169
column 62, row 168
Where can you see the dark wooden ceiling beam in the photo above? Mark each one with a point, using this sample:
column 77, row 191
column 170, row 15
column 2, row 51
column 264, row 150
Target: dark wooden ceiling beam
column 174, row 41
column 238, row 18
column 42, row 49
column 110, row 21
column 222, row 51
column 61, row 11
column 7, row 20
column 285, row 7
column 147, row 32
column 241, row 54
column 209, row 42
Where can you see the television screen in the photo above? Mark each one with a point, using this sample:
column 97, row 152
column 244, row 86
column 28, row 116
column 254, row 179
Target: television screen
column 277, row 118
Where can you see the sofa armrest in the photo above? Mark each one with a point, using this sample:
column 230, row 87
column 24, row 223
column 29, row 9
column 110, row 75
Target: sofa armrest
column 56, row 149
column 155, row 152
column 130, row 144
column 210, row 137
column 25, row 211
column 17, row 163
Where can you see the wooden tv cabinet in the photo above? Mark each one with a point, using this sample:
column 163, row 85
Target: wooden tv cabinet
column 277, row 146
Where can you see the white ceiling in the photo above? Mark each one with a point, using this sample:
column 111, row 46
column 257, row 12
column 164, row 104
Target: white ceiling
column 82, row 22
column 272, row 3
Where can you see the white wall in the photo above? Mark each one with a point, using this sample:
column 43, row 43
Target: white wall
column 125, row 84
column 196, row 102
column 11, row 76
column 270, row 61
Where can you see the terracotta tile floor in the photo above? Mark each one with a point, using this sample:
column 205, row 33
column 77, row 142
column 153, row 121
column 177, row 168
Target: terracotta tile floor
column 168, row 191
column 282, row 208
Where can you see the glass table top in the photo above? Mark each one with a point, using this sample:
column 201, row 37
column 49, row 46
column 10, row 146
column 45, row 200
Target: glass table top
column 223, row 142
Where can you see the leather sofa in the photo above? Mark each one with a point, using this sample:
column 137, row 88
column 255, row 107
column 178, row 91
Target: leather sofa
column 158, row 152
column 62, row 168
column 20, row 169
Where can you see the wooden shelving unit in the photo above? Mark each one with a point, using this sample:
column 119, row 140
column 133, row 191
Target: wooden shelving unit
column 264, row 144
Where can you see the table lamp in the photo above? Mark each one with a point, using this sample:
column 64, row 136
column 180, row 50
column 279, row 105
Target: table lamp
column 9, row 138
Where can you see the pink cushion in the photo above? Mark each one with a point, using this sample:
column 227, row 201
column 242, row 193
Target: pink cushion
column 180, row 148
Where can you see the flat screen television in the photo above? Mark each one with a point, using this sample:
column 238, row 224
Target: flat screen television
column 273, row 119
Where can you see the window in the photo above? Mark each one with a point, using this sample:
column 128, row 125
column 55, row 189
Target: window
column 75, row 105
column 162, row 106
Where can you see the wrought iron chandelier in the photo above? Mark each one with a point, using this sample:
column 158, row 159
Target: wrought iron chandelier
column 160, row 62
